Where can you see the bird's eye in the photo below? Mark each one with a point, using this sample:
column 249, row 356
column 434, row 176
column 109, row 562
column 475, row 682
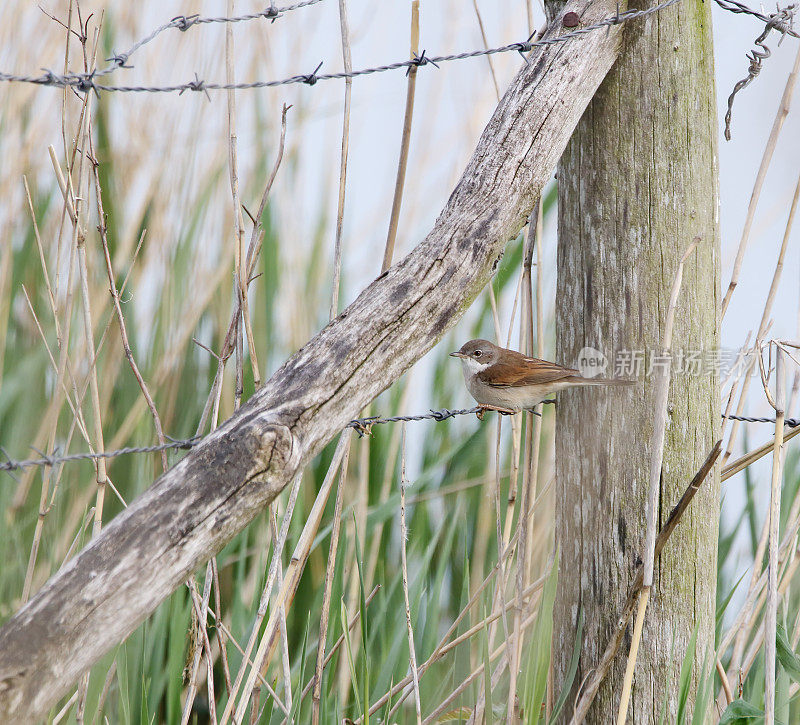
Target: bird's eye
column 477, row 353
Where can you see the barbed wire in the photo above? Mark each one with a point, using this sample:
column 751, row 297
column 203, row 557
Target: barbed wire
column 85, row 82
column 362, row 426
column 789, row 422
column 53, row 460
column 732, row 6
column 780, row 21
column 184, row 22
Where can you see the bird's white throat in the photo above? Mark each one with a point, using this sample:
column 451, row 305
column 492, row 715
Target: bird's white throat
column 472, row 367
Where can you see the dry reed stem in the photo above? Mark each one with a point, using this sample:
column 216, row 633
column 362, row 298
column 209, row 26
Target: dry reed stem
column 240, row 273
column 287, row 668
column 748, row 458
column 42, row 261
column 62, row 713
column 214, row 396
column 405, row 142
column 221, row 636
column 445, row 645
column 201, row 612
column 656, row 459
column 112, row 671
column 627, row 683
column 723, row 676
column 404, row 565
column 290, row 583
column 477, row 672
column 592, row 684
column 123, row 330
column 771, row 615
column 758, row 639
column 245, row 659
column 266, row 593
column 388, row 477
column 766, row 160
column 350, row 625
column 348, row 92
column 526, row 340
column 326, row 595
column 486, row 45
column 79, row 239
column 51, row 419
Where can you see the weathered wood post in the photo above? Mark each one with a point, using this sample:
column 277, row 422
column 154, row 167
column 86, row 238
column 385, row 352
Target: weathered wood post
column 637, row 183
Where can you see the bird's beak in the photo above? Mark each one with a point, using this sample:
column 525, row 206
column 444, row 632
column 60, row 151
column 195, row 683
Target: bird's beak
column 457, row 354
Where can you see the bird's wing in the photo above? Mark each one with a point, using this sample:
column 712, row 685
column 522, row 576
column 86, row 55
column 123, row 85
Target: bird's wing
column 521, row 370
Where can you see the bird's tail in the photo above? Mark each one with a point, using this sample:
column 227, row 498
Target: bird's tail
column 607, row 381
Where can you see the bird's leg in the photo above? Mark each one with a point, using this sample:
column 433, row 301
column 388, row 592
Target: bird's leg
column 484, row 407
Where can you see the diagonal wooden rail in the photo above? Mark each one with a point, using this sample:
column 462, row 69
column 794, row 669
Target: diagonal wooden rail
column 194, row 509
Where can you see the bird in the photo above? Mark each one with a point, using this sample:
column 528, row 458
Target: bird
column 508, row 381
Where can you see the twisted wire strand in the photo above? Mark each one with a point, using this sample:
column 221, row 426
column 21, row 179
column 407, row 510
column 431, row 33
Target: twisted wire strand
column 780, row 21
column 184, row 22
column 733, row 6
column 363, row 426
column 85, row 82
column 790, row 422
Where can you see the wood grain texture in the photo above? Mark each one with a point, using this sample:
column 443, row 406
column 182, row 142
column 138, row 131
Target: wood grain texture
column 637, row 183
column 193, row 510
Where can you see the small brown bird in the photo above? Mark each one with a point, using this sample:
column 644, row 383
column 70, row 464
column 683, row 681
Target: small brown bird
column 507, row 381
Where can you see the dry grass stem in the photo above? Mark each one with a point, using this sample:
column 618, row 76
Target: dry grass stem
column 766, row 160
column 265, row 596
column 123, row 330
column 326, row 595
column 771, row 615
column 445, row 644
column 592, row 684
column 477, row 672
column 404, row 565
column 348, row 92
column 405, row 142
column 656, row 459
column 485, row 41
column 286, row 593
column 350, row 626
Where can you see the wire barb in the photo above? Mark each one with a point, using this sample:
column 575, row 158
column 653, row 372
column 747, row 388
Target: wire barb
column 732, row 6
column 782, row 22
column 419, row 60
column 311, row 79
column 184, row 22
